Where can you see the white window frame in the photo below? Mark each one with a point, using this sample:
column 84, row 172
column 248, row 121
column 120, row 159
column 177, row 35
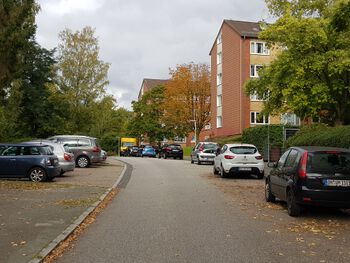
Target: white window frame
column 219, row 79
column 255, row 97
column 178, row 139
column 286, row 117
column 219, row 39
column 254, row 48
column 219, row 58
column 254, row 117
column 254, row 70
column 219, row 101
column 218, row 123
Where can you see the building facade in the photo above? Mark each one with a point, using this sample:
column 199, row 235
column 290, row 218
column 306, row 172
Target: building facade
column 236, row 56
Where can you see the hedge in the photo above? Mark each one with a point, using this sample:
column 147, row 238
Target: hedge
column 258, row 136
column 321, row 135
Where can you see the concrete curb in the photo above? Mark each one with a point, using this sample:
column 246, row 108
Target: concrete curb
column 66, row 233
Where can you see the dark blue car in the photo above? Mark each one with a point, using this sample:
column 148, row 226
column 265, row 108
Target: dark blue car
column 34, row 161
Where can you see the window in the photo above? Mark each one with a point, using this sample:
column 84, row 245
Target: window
column 219, row 39
column 219, row 101
column 84, row 142
column 219, row 58
column 282, row 160
column 207, row 127
column 254, row 70
column 292, row 159
column 255, row 97
column 219, row 79
column 256, row 118
column 243, row 150
column 290, row 118
column 10, row 151
column 218, row 122
column 180, row 139
column 259, row 48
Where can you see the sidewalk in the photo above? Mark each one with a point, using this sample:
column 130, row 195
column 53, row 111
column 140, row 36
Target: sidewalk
column 33, row 215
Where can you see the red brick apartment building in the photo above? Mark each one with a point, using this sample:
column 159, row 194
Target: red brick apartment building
column 236, row 56
column 148, row 84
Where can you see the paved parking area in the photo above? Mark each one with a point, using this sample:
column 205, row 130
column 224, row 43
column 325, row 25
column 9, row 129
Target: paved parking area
column 32, row 215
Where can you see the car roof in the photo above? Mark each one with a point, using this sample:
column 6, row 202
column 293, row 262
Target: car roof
column 240, row 144
column 23, row 144
column 208, row 142
column 72, row 136
column 320, row 148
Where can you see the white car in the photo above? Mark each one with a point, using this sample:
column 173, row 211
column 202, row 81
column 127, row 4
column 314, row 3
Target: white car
column 239, row 158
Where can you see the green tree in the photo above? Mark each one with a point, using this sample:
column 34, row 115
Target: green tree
column 148, row 115
column 82, row 77
column 311, row 74
column 17, row 24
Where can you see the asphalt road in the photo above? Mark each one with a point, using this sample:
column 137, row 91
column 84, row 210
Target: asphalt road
column 170, row 211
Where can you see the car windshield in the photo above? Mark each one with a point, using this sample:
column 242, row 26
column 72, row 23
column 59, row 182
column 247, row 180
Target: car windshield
column 210, row 146
column 127, row 144
column 243, row 150
column 329, row 161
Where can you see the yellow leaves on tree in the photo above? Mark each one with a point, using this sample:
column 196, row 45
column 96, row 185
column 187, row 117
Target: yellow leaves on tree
column 188, row 98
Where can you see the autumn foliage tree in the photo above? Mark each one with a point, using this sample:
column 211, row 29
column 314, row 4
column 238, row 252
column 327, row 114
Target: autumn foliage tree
column 188, row 99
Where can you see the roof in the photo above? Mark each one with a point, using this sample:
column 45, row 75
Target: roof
column 149, row 84
column 243, row 28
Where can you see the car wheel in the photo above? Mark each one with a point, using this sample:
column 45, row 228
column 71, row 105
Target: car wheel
column 293, row 208
column 181, row 157
column 83, row 162
column 261, row 175
column 223, row 174
column 215, row 172
column 37, row 174
column 165, row 156
column 192, row 160
column 269, row 197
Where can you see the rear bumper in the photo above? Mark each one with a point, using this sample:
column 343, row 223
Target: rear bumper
column 206, row 158
column 67, row 166
column 53, row 171
column 243, row 168
column 329, row 198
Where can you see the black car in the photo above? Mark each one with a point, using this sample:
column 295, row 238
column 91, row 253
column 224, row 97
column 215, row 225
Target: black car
column 32, row 160
column 310, row 176
column 135, row 151
column 172, row 150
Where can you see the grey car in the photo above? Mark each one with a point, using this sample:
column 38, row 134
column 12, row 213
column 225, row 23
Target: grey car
column 86, row 149
column 204, row 152
column 65, row 157
column 34, row 161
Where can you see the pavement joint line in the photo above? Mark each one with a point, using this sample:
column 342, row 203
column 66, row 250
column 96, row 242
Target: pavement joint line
column 68, row 231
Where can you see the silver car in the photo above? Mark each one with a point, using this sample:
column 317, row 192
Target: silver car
column 86, row 149
column 204, row 152
column 65, row 157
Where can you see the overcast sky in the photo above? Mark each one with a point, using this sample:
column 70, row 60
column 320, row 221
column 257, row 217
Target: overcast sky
column 144, row 38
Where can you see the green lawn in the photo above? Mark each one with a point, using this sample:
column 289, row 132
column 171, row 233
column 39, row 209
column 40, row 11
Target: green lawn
column 187, row 150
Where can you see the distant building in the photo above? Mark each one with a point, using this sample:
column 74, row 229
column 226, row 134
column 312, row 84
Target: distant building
column 236, row 56
column 148, row 84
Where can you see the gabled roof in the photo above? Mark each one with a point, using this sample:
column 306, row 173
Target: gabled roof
column 242, row 28
column 149, row 84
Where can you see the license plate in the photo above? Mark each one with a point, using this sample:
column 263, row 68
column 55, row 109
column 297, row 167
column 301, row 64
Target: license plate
column 245, row 169
column 341, row 183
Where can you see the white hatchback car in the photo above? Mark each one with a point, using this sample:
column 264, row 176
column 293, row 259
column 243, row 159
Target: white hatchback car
column 239, row 158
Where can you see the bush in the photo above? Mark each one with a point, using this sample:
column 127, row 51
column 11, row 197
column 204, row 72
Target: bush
column 258, row 136
column 109, row 143
column 321, row 135
column 225, row 140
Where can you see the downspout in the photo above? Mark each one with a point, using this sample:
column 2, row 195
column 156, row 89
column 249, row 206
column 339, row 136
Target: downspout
column 240, row 85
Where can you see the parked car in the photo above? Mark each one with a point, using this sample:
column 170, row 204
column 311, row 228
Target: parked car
column 238, row 158
column 135, row 151
column 103, row 155
column 171, row 150
column 310, row 176
column 204, row 152
column 65, row 157
column 34, row 161
column 86, row 149
column 148, row 151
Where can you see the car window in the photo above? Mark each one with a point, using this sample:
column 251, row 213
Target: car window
column 198, row 145
column 243, row 150
column 45, row 150
column 224, row 148
column 10, row 151
column 2, row 148
column 329, row 161
column 84, row 142
column 210, row 146
column 282, row 160
column 70, row 143
column 292, row 159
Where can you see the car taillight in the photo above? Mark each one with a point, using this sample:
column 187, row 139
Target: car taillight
column 96, row 149
column 67, row 157
column 303, row 163
column 228, row 157
column 258, row 157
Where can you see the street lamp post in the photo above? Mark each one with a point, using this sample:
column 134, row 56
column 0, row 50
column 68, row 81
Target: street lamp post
column 195, row 126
